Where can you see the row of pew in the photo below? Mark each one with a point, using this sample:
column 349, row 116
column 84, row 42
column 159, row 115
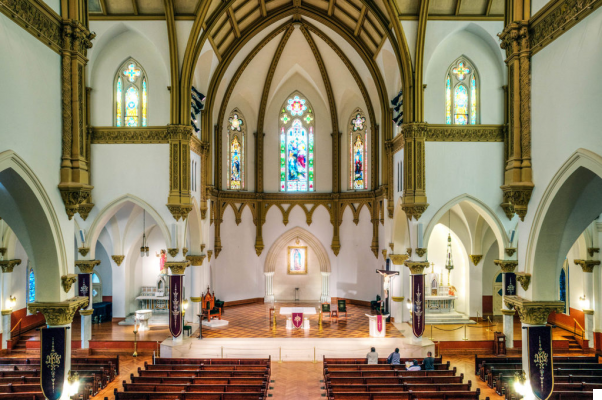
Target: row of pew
column 199, row 379
column 574, row 377
column 354, row 379
column 20, row 377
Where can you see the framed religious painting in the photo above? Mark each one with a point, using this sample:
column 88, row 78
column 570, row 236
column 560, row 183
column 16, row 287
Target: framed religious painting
column 297, row 260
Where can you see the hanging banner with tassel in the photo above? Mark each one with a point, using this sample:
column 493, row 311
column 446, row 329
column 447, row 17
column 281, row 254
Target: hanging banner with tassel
column 510, row 284
column 52, row 362
column 418, row 305
column 83, row 285
column 175, row 304
column 541, row 368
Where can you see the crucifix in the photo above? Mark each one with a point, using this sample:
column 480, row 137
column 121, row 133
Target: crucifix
column 387, row 275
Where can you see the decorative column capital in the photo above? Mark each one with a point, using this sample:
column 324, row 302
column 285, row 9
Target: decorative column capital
column 421, row 251
column 508, row 312
column 7, row 312
column 590, row 250
column 118, row 260
column 67, row 281
column 8, row 265
column 506, row 265
column 86, row 266
column 196, row 260
column 210, row 253
column 516, row 199
column 533, row 312
column 75, row 195
column 476, row 258
column 398, row 259
column 59, row 313
column 86, row 312
column 327, row 274
column 416, row 267
column 177, row 267
column 179, row 210
column 3, row 251
column 524, row 279
column 510, row 251
column 83, row 251
column 587, row 265
column 173, row 252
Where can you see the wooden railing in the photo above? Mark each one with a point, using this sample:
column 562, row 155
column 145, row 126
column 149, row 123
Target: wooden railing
column 580, row 327
column 17, row 328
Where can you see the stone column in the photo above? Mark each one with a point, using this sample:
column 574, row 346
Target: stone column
column 178, row 268
column 325, row 297
column 86, row 267
column 196, row 262
column 588, row 290
column 398, row 305
column 269, row 287
column 7, row 269
column 416, row 268
column 507, row 266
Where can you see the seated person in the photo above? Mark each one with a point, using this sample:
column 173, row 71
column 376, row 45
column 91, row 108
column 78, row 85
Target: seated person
column 415, row 366
column 372, row 357
column 429, row 362
column 394, row 358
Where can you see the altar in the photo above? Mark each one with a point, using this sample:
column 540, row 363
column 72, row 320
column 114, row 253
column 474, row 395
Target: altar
column 289, row 312
column 438, row 297
column 374, row 325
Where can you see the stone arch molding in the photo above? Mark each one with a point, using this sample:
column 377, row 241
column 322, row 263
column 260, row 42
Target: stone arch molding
column 279, row 245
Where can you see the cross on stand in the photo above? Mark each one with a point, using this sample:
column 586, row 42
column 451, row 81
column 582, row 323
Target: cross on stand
column 387, row 275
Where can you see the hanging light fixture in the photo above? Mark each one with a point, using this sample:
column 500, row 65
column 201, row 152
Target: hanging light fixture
column 144, row 250
column 449, row 264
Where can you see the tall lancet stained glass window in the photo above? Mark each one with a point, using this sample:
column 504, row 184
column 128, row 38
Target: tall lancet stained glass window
column 131, row 95
column 31, row 286
column 296, row 123
column 358, row 155
column 237, row 132
column 462, row 93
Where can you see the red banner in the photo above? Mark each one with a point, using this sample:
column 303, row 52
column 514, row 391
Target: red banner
column 379, row 323
column 297, row 318
column 175, row 304
column 418, row 305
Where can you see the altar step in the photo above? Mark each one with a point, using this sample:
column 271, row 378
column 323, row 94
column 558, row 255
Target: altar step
column 450, row 318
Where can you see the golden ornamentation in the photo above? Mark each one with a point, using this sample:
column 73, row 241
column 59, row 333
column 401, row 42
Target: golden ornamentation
column 84, row 210
column 86, row 312
column 173, row 252
column 417, row 267
column 391, row 246
column 516, row 199
column 210, row 253
column 73, row 195
column 397, row 299
column 87, row 266
column 179, row 210
column 508, row 312
column 59, row 313
column 384, row 251
column 541, row 361
column 533, row 312
column 3, row 251
column 195, row 145
column 506, row 265
column 396, row 144
column 184, row 251
column 138, row 135
column 476, row 259
column 587, row 265
column 67, row 281
column 38, row 19
column 53, row 361
column 202, row 247
column 590, row 250
column 588, row 312
column 118, row 260
column 84, row 251
column 8, row 265
column 524, row 279
column 465, row 133
column 414, row 201
column 398, row 259
column 7, row 312
column 177, row 267
column 421, row 251
column 409, row 251
column 510, row 251
column 196, row 299
column 196, row 260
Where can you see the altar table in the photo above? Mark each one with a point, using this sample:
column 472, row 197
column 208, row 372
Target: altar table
column 290, row 310
column 439, row 304
column 373, row 325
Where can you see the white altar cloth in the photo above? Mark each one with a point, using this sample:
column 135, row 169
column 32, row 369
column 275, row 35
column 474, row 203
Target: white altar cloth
column 291, row 310
column 374, row 329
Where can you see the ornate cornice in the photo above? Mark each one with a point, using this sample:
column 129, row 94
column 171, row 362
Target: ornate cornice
column 510, row 251
column 36, row 18
column 476, row 258
column 60, row 313
column 86, row 266
column 516, row 199
column 587, row 265
column 118, row 260
column 557, row 17
column 67, row 281
column 83, row 251
column 173, row 252
column 177, row 267
column 396, row 143
column 195, row 145
column 506, row 265
column 465, row 133
column 120, row 135
column 533, row 312
column 8, row 265
column 398, row 259
column 196, row 260
column 179, row 210
column 508, row 312
column 74, row 195
column 524, row 279
column 416, row 267
column 421, row 251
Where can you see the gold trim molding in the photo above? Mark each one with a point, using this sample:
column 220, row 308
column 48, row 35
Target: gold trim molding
column 196, row 260
column 179, row 210
column 397, row 299
column 464, row 133
column 120, row 135
column 8, row 265
column 36, row 18
column 508, row 312
column 592, row 250
column 421, row 251
column 398, row 259
column 118, row 260
column 86, row 313
column 588, row 312
column 7, row 312
column 587, row 265
column 86, row 266
column 67, row 281
column 476, row 258
column 524, row 279
column 177, row 267
column 59, row 313
column 196, row 299
column 83, row 251
column 506, row 265
column 173, row 252
column 417, row 267
column 209, row 254
column 533, row 312
column 510, row 251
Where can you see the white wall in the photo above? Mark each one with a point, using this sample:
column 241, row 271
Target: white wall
column 310, row 285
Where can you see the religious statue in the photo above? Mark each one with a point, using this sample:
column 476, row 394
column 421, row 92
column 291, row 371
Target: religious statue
column 162, row 258
column 297, row 266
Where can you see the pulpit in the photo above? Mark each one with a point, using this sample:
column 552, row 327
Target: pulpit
column 374, row 325
column 209, row 309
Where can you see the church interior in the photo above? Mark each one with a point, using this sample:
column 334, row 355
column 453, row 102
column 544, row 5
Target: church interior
column 297, row 199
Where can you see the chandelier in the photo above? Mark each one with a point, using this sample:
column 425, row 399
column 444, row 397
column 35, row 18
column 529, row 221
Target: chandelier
column 449, row 263
column 144, row 251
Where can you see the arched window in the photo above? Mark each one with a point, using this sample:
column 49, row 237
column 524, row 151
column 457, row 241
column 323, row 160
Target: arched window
column 358, row 156
column 461, row 93
column 563, row 285
column 237, row 132
column 96, row 288
column 296, row 145
column 31, row 286
column 131, row 95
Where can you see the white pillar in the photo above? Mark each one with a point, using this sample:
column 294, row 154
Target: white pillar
column 325, row 297
column 269, row 287
column 197, row 291
column 508, row 320
column 588, row 267
column 86, row 328
column 6, row 328
column 396, row 307
column 6, row 311
column 597, row 305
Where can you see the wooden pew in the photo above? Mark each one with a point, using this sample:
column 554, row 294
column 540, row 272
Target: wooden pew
column 557, row 359
column 185, row 396
column 143, row 387
column 451, row 387
column 196, row 367
column 388, row 373
column 23, row 396
column 201, row 374
column 328, row 360
column 409, row 395
column 355, row 367
column 395, row 380
column 214, row 361
column 199, row 381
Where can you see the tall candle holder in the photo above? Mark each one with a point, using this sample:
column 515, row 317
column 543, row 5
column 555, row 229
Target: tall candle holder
column 136, row 327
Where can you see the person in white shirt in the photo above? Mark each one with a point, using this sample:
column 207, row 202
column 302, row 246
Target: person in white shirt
column 372, row 357
column 415, row 366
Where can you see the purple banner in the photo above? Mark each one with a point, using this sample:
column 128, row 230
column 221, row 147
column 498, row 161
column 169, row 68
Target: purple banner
column 175, row 304
column 541, row 368
column 510, row 284
column 52, row 360
column 418, row 305
column 83, row 285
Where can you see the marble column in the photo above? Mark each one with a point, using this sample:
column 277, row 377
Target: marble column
column 178, row 268
column 269, row 287
column 86, row 267
column 416, row 268
column 507, row 266
column 196, row 262
column 6, row 315
column 588, row 267
column 597, row 317
column 325, row 297
column 398, row 304
column 7, row 269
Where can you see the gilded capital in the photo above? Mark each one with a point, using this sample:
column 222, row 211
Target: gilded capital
column 196, row 299
column 179, row 210
column 177, row 267
column 8, row 265
column 421, row 251
column 59, row 313
column 84, row 251
column 173, row 252
column 384, row 251
column 476, row 258
column 184, row 251
column 508, row 312
column 510, row 251
column 587, row 265
column 7, row 312
column 86, row 312
column 118, row 260
column 86, row 266
column 590, row 250
column 210, row 252
column 196, row 260
column 414, row 210
column 533, row 312
column 2, row 251
column 524, row 279
column 416, row 267
column 67, row 281
column 398, row 259
column 506, row 265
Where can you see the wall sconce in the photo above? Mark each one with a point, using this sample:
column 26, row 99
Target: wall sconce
column 584, row 302
column 11, row 302
column 72, row 383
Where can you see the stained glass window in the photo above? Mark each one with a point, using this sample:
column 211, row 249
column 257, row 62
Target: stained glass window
column 236, row 150
column 131, row 95
column 562, row 285
column 461, row 93
column 31, row 287
column 297, row 145
column 358, row 139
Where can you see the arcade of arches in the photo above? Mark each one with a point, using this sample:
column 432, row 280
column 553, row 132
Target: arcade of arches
column 277, row 153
